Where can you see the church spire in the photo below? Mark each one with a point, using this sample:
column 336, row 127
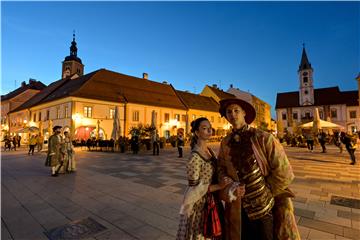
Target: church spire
column 305, row 64
column 73, row 48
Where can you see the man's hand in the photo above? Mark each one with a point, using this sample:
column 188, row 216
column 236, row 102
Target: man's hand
column 240, row 190
column 225, row 181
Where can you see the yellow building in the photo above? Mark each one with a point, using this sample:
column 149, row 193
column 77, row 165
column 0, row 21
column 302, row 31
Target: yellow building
column 263, row 114
column 203, row 106
column 14, row 99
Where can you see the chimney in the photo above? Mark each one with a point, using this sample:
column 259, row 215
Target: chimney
column 23, row 84
column 145, row 76
column 214, row 85
column 231, row 86
column 32, row 81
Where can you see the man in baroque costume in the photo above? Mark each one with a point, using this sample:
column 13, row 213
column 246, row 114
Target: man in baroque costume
column 257, row 202
column 55, row 155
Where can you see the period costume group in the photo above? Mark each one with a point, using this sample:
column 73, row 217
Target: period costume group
column 61, row 154
column 248, row 184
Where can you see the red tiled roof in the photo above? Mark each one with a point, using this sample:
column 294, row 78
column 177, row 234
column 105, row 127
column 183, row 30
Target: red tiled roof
column 221, row 94
column 199, row 102
column 33, row 84
column 322, row 96
column 109, row 86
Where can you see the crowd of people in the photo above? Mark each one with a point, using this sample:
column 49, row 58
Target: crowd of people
column 339, row 139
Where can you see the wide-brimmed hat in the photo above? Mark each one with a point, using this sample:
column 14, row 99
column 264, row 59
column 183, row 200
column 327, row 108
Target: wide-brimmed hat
column 56, row 127
column 247, row 107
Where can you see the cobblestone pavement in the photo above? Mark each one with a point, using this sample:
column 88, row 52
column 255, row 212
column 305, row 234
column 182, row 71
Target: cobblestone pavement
column 126, row 196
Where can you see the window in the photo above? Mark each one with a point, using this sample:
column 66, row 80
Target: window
column 321, row 114
column 193, row 117
column 183, row 118
column 306, row 92
column 34, row 117
column 167, row 117
column 333, row 113
column 66, row 111
column 212, row 119
column 177, row 117
column 47, row 114
column 88, row 112
column 307, row 115
column 135, row 116
column 58, row 113
column 305, row 79
column 112, row 113
column 295, row 115
column 284, row 116
column 352, row 114
column 39, row 116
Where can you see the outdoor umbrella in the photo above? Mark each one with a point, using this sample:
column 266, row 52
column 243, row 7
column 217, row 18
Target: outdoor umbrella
column 316, row 123
column 116, row 125
column 323, row 124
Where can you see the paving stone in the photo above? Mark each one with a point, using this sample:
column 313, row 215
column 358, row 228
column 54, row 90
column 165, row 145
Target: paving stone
column 321, row 226
column 351, row 233
column 348, row 215
column 344, row 201
column 304, row 213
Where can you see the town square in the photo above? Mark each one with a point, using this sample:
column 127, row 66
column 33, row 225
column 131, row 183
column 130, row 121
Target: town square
column 180, row 120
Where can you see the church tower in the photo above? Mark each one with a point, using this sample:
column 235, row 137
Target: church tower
column 306, row 89
column 72, row 64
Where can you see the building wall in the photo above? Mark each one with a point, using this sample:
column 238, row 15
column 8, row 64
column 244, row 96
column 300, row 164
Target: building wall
column 209, row 93
column 218, row 123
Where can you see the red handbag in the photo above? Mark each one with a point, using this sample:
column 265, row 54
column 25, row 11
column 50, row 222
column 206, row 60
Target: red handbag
column 212, row 224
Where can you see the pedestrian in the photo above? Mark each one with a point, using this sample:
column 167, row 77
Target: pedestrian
column 337, row 141
column 40, row 142
column 310, row 141
column 322, row 141
column 135, row 143
column 19, row 140
column 69, row 164
column 55, row 156
column 258, row 203
column 180, row 144
column 155, row 142
column 350, row 145
column 202, row 187
column 15, row 142
column 32, row 144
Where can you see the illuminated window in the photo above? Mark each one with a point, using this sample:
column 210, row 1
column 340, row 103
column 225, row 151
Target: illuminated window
column 58, row 113
column 88, row 112
column 167, row 117
column 333, row 113
column 66, row 111
column 135, row 116
column 112, row 113
column 183, row 118
column 352, row 114
column 177, row 117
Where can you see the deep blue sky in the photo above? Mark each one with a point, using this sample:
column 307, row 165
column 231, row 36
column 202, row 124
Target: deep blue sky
column 256, row 46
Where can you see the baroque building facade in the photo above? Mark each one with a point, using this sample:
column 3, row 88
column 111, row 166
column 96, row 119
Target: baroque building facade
column 295, row 108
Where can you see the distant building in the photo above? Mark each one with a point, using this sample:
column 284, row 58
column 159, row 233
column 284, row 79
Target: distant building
column 262, row 108
column 263, row 115
column 14, row 99
column 295, row 108
column 84, row 104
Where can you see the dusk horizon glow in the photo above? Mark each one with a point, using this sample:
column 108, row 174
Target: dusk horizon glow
column 256, row 46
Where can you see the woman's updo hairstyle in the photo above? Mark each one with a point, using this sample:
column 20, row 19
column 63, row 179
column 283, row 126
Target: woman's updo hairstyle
column 195, row 127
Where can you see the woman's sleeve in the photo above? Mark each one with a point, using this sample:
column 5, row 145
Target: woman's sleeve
column 193, row 170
